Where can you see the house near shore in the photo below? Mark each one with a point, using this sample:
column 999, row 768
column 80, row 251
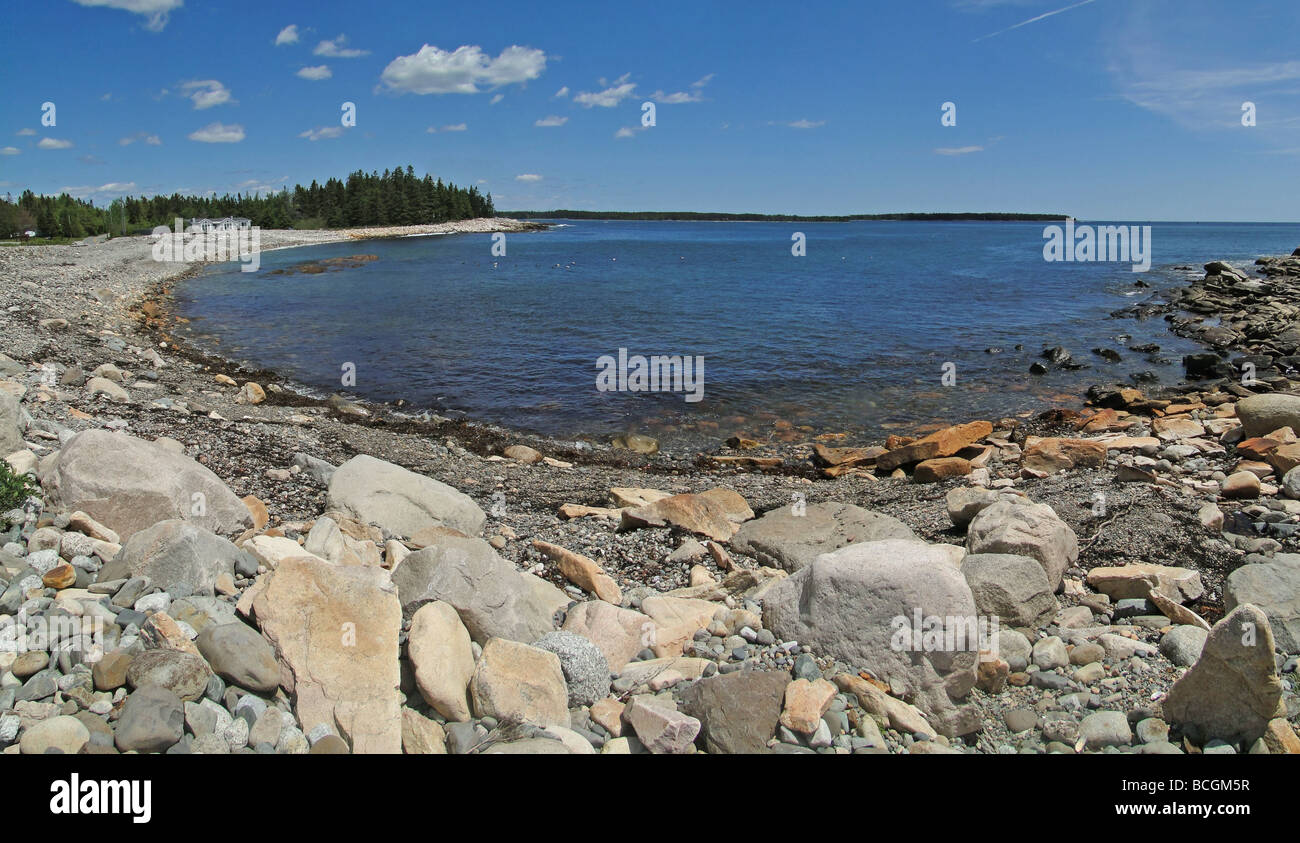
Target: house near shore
column 204, row 225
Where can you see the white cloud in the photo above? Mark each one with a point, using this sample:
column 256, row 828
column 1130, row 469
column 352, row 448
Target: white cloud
column 626, row 132
column 218, row 133
column 323, row 132
column 563, row 92
column 205, row 93
column 11, row 150
column 805, row 124
column 1033, row 20
column 529, row 177
column 496, row 98
column 465, row 70
column 455, row 127
column 151, row 140
column 552, row 120
column 116, row 188
column 288, row 35
column 694, row 95
column 52, row 143
column 316, row 73
column 25, row 132
column 620, row 90
column 958, row 150
column 155, row 10
column 334, row 49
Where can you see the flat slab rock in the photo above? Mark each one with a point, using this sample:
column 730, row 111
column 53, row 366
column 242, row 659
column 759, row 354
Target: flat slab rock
column 785, row 539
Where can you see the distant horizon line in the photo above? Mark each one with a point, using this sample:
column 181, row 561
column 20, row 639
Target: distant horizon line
column 936, row 216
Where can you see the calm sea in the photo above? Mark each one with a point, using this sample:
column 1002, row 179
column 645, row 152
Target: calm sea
column 857, row 335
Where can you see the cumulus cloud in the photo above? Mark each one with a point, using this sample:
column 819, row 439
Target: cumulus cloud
column 611, row 96
column 552, row 120
column 218, row 133
column 53, row 143
column 627, row 132
column 155, row 11
column 322, row 132
column 334, row 49
column 205, row 93
column 696, row 94
column 11, row 150
column 465, row 70
column 288, row 35
column 316, row 73
column 562, row 93
column 528, row 177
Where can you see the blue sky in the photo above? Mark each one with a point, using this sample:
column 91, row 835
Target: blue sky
column 1107, row 109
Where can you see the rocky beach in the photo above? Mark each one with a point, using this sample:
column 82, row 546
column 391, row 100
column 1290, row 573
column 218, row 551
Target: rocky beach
column 209, row 561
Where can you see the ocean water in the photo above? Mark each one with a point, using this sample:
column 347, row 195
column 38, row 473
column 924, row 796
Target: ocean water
column 855, row 336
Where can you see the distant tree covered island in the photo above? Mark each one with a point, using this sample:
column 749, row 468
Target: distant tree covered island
column 707, row 216
column 395, row 197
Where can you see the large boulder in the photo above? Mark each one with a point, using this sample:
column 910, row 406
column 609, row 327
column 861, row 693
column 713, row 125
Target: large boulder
column 878, row 605
column 703, row 514
column 128, row 484
column 1232, row 692
column 1032, row 530
column 1263, row 414
column 493, row 599
column 11, row 425
column 376, row 492
column 335, row 633
column 738, row 712
column 439, row 648
column 619, row 633
column 1272, row 584
column 239, row 655
column 791, row 538
column 516, row 682
column 174, row 552
column 1012, row 588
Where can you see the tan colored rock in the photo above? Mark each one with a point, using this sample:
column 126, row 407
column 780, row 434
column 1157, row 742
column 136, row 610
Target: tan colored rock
column 700, row 576
column 608, row 713
column 1057, row 454
column 443, row 659
column 161, row 632
column 625, row 496
column 422, row 736
column 83, row 523
column 426, row 536
column 902, row 716
column 1138, row 579
column 618, row 633
column 225, row 380
column 583, row 572
column 676, row 619
column 1169, row 429
column 516, row 682
column 257, row 509
column 251, row 393
column 60, row 576
column 940, row 468
column 576, row 510
column 1242, row 484
column 732, row 503
column 523, row 454
column 1232, row 692
column 660, row 729
column 941, row 443
column 335, row 633
column 1281, row 738
column 694, row 513
column 1177, row 612
column 271, row 551
column 805, row 703
column 645, row 672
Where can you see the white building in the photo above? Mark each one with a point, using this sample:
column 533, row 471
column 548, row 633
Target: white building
column 203, row 224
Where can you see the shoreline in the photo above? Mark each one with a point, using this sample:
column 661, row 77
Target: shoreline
column 1154, row 460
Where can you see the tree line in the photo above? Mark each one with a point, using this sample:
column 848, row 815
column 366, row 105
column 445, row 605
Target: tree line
column 395, row 197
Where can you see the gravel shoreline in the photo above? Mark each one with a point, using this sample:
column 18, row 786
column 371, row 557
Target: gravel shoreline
column 76, row 310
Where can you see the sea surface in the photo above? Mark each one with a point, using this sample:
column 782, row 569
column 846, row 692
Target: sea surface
column 856, row 335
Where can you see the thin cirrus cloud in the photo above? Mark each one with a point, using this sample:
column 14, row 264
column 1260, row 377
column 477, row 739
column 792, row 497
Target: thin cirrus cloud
column 147, row 137
column 551, row 120
column 465, row 70
column 562, row 93
column 155, row 11
column 218, row 133
column 11, row 150
column 206, row 93
column 315, row 73
column 288, row 35
column 613, row 94
column 115, row 188
column 334, row 49
column 805, row 123
column 695, row 94
column 958, row 150
column 25, row 132
column 454, row 127
column 322, row 132
column 54, row 143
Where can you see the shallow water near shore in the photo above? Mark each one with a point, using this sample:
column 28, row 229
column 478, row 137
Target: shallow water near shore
column 855, row 336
